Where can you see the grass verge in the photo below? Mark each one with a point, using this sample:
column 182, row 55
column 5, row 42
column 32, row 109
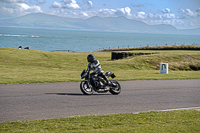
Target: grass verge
column 187, row 121
column 31, row 66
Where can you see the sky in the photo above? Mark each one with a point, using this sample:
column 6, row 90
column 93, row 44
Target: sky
column 182, row 14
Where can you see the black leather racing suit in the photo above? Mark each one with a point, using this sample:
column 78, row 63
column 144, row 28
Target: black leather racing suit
column 96, row 67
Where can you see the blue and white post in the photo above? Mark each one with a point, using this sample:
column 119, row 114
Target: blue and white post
column 164, row 68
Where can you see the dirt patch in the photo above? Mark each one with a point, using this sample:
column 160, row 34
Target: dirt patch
column 187, row 57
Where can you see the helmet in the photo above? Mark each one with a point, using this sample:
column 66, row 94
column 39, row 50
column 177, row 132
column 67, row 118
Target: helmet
column 90, row 58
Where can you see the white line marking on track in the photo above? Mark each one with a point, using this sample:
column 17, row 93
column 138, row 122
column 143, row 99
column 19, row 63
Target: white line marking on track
column 197, row 108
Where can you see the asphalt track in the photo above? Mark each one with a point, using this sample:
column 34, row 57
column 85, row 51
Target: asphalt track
column 60, row 100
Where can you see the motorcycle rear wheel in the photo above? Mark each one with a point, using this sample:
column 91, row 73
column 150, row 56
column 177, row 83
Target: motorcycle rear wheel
column 85, row 89
column 115, row 88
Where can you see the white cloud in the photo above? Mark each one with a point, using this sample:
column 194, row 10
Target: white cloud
column 90, row 4
column 123, row 11
column 34, row 9
column 84, row 14
column 164, row 17
column 106, row 12
column 150, row 16
column 68, row 8
column 82, row 9
column 168, row 16
column 30, row 9
column 13, row 1
column 71, row 4
column 127, row 11
column 56, row 5
column 115, row 12
column 14, row 8
column 166, row 10
column 23, row 6
column 141, row 15
column 187, row 13
column 7, row 10
column 174, row 22
column 87, row 4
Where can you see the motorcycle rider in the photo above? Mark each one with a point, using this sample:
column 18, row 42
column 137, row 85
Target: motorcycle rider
column 96, row 67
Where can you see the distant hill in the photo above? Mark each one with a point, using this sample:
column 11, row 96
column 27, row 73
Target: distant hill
column 40, row 20
column 116, row 24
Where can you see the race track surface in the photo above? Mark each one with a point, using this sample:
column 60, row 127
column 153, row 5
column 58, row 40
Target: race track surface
column 60, row 100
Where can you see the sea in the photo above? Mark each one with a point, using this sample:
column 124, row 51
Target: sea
column 86, row 41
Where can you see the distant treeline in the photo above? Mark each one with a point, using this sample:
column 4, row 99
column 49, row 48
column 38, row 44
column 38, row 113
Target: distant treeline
column 173, row 47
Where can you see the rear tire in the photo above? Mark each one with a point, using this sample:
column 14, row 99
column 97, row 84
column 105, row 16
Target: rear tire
column 115, row 88
column 85, row 89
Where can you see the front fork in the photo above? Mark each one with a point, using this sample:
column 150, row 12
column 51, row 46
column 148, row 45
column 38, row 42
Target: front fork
column 88, row 83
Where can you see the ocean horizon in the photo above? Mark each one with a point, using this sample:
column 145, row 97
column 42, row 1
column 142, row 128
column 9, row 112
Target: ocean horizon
column 86, row 41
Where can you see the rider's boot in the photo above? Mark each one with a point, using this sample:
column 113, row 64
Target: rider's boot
column 107, row 83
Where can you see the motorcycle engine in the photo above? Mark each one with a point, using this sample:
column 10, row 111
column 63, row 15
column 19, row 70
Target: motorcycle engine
column 100, row 84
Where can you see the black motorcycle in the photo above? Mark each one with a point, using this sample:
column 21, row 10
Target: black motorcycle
column 97, row 83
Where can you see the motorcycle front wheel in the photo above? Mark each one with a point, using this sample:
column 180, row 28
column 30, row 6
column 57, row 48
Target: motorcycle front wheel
column 86, row 88
column 115, row 88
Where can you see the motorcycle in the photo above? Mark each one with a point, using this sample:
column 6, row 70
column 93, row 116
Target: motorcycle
column 97, row 83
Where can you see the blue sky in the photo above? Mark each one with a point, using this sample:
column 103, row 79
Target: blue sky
column 182, row 14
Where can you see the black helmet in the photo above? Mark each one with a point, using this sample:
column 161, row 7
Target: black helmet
column 90, row 58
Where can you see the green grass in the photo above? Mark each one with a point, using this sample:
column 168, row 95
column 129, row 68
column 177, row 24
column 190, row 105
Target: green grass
column 31, row 66
column 182, row 121
column 177, row 60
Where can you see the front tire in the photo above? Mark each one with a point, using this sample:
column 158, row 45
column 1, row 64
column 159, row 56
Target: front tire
column 115, row 88
column 85, row 89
